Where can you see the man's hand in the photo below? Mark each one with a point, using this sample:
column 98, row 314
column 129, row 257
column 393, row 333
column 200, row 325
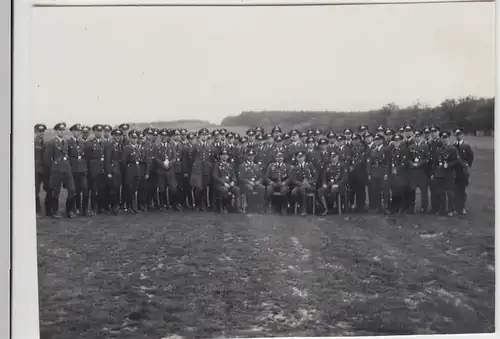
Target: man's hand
column 335, row 186
column 386, row 177
column 445, row 165
column 232, row 184
column 325, row 186
column 110, row 175
column 146, row 176
column 185, row 175
column 226, row 185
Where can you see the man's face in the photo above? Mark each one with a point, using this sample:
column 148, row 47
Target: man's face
column 368, row 140
column 85, row 135
column 408, row 134
column 378, row 142
column 311, row 145
column 295, row 137
column 322, row 147
column 301, row 159
column 446, row 140
column 39, row 134
column 203, row 137
column 107, row 134
column 183, row 137
column 341, row 142
column 117, row 138
column 279, row 158
column 224, row 157
column 134, row 140
column 251, row 158
column 164, row 139
column 435, row 134
column 60, row 132
column 98, row 134
column 348, row 136
column 76, row 134
column 459, row 137
column 335, row 159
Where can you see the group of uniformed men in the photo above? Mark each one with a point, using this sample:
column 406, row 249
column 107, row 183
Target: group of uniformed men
column 122, row 169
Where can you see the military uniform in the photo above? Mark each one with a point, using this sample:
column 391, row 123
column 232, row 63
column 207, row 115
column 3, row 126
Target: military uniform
column 78, row 162
column 165, row 167
column 334, row 180
column 278, row 178
column 94, row 153
column 378, row 175
column 419, row 156
column 41, row 171
column 251, row 180
column 113, row 155
column 434, row 145
column 133, row 159
column 357, row 175
column 204, row 155
column 398, row 178
column 225, row 182
column 57, row 161
column 462, row 172
column 303, row 179
column 443, row 174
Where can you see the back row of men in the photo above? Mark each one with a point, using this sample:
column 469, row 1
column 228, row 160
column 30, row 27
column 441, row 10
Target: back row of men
column 108, row 170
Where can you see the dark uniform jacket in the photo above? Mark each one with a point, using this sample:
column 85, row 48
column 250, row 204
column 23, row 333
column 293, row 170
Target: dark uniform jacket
column 278, row 172
column 163, row 153
column 133, row 158
column 94, row 153
column 377, row 162
column 223, row 173
column 113, row 154
column 301, row 172
column 76, row 150
column 335, row 174
column 39, row 145
column 204, row 155
column 249, row 172
column 56, row 156
column 448, row 155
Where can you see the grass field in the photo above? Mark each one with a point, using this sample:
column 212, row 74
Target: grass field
column 207, row 275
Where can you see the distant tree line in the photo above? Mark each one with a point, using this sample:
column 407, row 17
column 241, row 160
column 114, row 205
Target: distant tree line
column 474, row 115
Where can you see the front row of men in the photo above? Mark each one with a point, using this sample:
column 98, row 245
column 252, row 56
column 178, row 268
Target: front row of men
column 108, row 174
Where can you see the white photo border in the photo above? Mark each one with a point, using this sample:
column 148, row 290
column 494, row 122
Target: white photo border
column 22, row 322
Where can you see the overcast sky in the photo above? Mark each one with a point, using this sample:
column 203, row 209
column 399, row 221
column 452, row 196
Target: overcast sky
column 108, row 65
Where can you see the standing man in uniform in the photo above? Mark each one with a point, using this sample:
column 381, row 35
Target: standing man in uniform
column 435, row 144
column 132, row 157
column 445, row 162
column 41, row 171
column 398, row 168
column 466, row 158
column 357, row 174
column 204, row 155
column 78, row 162
column 94, row 152
column 378, row 175
column 165, row 164
column 113, row 156
column 419, row 154
column 57, row 161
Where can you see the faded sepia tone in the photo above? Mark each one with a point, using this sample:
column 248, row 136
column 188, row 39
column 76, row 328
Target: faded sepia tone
column 264, row 172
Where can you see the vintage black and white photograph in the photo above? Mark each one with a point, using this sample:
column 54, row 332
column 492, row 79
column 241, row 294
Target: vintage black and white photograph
column 259, row 171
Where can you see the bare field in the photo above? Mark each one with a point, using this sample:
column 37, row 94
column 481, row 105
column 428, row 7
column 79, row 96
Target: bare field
column 206, row 275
